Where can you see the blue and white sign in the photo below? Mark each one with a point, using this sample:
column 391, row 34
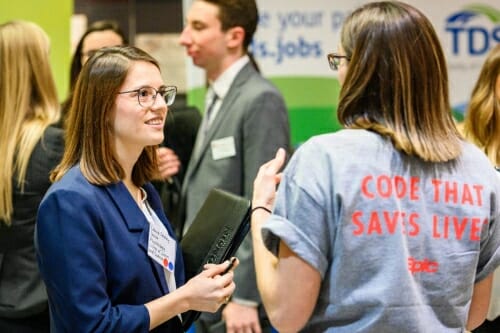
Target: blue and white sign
column 294, row 36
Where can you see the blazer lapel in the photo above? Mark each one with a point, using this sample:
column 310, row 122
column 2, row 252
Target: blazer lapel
column 136, row 222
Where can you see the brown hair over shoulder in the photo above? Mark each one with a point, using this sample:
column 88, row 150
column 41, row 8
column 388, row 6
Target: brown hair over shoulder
column 396, row 82
column 88, row 136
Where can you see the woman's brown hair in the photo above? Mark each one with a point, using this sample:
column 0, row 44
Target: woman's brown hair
column 396, row 82
column 88, row 135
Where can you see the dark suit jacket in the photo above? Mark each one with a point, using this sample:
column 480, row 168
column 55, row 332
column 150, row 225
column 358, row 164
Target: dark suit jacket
column 180, row 133
column 253, row 113
column 22, row 292
column 92, row 246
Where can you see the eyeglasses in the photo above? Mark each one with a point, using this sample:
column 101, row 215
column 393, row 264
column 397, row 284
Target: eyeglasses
column 147, row 95
column 334, row 60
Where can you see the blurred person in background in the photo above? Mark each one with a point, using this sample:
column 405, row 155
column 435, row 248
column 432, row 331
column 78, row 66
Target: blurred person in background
column 245, row 121
column 482, row 127
column 99, row 34
column 30, row 147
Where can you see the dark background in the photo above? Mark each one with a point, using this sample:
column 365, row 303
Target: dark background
column 135, row 16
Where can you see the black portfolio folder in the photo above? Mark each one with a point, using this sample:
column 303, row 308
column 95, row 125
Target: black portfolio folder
column 217, row 231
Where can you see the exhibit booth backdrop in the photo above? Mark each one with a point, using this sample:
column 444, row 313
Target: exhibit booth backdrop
column 54, row 17
column 294, row 36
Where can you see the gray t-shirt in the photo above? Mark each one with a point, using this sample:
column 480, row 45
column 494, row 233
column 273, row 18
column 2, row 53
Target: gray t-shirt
column 399, row 243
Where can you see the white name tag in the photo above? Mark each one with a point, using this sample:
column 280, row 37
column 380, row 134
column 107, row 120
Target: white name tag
column 223, row 148
column 161, row 247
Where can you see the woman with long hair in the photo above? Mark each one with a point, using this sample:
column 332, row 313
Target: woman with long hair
column 482, row 126
column 30, row 147
column 106, row 251
column 391, row 224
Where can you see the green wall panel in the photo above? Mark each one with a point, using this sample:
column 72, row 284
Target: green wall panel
column 54, row 17
column 311, row 104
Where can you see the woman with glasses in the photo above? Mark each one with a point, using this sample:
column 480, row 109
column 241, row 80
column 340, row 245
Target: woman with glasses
column 30, row 147
column 99, row 34
column 391, row 224
column 106, row 251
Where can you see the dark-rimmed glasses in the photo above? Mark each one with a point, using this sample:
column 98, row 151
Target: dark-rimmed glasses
column 146, row 96
column 334, row 60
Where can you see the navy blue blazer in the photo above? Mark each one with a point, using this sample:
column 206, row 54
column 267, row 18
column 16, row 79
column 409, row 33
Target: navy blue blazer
column 91, row 244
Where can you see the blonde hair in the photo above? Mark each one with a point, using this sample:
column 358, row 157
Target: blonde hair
column 28, row 103
column 482, row 120
column 396, row 83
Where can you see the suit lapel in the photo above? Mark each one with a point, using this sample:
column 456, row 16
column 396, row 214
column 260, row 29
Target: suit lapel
column 225, row 111
column 136, row 222
column 132, row 216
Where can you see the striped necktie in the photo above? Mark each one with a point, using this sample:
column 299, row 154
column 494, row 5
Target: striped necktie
column 204, row 126
column 209, row 114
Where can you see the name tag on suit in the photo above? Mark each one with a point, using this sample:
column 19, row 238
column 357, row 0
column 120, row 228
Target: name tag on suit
column 223, row 148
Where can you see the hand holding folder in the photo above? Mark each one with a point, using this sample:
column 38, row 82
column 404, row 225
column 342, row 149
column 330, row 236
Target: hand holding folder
column 217, row 231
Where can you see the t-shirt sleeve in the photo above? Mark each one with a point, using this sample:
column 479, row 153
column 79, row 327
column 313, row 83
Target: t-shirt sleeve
column 300, row 216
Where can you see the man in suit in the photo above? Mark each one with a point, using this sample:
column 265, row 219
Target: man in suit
column 244, row 124
column 180, row 131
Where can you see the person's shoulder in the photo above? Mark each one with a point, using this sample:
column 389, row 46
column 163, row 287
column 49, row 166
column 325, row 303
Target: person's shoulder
column 319, row 144
column 75, row 189
column 260, row 88
column 73, row 180
column 259, row 81
column 53, row 138
column 249, row 76
column 342, row 145
column 475, row 158
column 54, row 131
column 469, row 148
column 471, row 152
column 345, row 137
column 49, row 149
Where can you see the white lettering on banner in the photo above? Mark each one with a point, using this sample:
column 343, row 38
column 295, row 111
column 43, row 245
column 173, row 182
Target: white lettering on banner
column 469, row 31
column 297, row 19
column 294, row 36
column 298, row 48
column 286, row 37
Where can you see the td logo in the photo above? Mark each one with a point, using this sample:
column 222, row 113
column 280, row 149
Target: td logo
column 474, row 30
